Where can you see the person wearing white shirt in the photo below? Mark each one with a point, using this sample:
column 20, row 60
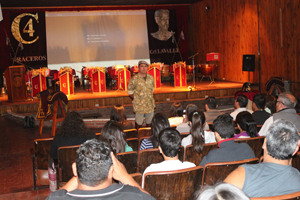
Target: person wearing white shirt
column 169, row 144
column 240, row 104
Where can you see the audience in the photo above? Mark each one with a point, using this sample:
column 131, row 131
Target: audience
column 176, row 114
column 274, row 176
column 94, row 170
column 112, row 133
column 285, row 107
column 240, row 105
column 169, row 144
column 72, row 132
column 158, row 123
column 198, row 137
column 118, row 114
column 212, row 112
column 270, row 104
column 258, row 106
column 246, row 125
column 228, row 150
column 223, row 191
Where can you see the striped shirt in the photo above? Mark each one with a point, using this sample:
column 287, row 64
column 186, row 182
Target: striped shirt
column 146, row 144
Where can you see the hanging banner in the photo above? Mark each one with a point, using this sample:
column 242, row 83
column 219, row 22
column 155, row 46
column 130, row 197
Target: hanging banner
column 28, row 39
column 162, row 36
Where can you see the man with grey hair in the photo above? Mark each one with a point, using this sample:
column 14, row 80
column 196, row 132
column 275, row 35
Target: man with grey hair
column 274, row 176
column 285, row 109
column 162, row 20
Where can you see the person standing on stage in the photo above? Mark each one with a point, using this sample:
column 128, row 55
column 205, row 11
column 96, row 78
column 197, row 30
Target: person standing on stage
column 140, row 89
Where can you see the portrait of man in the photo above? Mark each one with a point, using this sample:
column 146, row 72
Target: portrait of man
column 162, row 19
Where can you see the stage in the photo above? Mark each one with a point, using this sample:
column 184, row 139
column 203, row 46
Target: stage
column 84, row 99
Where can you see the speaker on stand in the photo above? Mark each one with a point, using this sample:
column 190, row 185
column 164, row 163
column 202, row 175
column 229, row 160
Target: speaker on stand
column 248, row 64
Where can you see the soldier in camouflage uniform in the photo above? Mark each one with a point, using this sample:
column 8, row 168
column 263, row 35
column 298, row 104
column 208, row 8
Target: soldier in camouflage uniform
column 140, row 89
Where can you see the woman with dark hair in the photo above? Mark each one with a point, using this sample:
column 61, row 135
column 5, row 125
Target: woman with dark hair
column 158, row 123
column 112, row 133
column 246, row 125
column 118, row 114
column 198, row 136
column 72, row 132
column 176, row 114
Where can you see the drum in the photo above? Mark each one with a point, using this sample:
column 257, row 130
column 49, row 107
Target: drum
column 207, row 69
column 189, row 69
column 165, row 70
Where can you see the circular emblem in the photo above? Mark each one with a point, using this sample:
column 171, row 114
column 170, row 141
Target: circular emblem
column 18, row 81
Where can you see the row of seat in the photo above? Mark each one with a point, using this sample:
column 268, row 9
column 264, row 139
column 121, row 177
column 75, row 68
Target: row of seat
column 134, row 161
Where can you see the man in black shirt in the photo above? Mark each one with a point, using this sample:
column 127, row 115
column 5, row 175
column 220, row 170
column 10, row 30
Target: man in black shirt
column 258, row 106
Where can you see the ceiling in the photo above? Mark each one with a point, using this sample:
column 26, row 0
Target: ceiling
column 71, row 3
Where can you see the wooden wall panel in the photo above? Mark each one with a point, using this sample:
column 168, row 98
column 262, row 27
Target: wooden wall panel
column 228, row 27
column 235, row 27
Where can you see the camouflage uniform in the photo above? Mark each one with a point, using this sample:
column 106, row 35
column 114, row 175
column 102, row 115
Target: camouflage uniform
column 142, row 91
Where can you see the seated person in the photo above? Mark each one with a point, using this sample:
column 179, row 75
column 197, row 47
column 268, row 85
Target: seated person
column 258, row 106
column 228, row 150
column 246, row 125
column 72, row 132
column 198, row 136
column 270, row 104
column 169, row 144
column 240, row 105
column 212, row 112
column 158, row 123
column 185, row 125
column 274, row 176
column 176, row 114
column 94, row 169
column 113, row 134
column 118, row 114
column 222, row 191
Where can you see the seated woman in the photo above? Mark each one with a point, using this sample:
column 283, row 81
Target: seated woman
column 176, row 114
column 246, row 124
column 72, row 132
column 118, row 114
column 112, row 133
column 198, row 136
column 158, row 123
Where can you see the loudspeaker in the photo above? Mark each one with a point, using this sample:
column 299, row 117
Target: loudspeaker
column 249, row 63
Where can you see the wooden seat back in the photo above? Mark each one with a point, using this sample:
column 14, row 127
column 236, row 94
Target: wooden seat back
column 255, row 144
column 295, row 195
column 129, row 160
column 184, row 134
column 218, row 171
column 40, row 154
column 66, row 157
column 175, row 185
column 148, row 156
column 195, row 157
column 133, row 143
column 131, row 133
column 137, row 177
column 143, row 132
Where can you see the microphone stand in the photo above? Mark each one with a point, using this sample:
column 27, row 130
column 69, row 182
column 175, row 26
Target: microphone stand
column 193, row 63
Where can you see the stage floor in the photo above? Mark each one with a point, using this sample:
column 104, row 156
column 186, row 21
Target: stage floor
column 81, row 94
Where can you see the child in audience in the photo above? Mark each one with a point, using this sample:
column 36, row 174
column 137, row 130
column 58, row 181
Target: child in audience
column 112, row 133
column 158, row 123
column 246, row 125
column 198, row 136
column 118, row 114
column 176, row 114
